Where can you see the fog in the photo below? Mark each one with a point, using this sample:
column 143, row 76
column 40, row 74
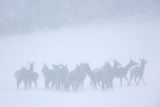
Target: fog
column 23, row 16
column 72, row 32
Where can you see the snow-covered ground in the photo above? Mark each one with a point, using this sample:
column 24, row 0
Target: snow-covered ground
column 145, row 96
column 96, row 44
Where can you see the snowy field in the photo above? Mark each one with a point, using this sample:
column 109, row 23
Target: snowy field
column 144, row 96
column 95, row 44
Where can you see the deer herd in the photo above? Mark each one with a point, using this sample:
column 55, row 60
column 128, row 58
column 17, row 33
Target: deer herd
column 60, row 78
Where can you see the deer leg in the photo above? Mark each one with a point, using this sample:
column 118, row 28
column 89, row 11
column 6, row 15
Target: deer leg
column 121, row 81
column 111, row 83
column 72, row 86
column 25, row 84
column 30, row 84
column 135, row 79
column 52, row 85
column 130, row 80
column 91, row 84
column 18, row 83
column 99, row 83
column 35, row 82
column 108, row 84
column 139, row 80
column 95, row 85
column 127, row 80
column 143, row 80
column 76, row 86
column 47, row 84
column 103, row 86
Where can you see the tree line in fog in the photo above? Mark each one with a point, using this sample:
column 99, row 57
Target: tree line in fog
column 21, row 16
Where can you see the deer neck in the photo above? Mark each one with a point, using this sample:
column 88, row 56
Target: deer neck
column 31, row 68
column 128, row 66
column 143, row 67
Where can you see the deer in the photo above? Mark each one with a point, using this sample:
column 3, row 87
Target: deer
column 121, row 72
column 138, row 72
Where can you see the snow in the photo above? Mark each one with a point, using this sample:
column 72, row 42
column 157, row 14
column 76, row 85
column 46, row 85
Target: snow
column 133, row 96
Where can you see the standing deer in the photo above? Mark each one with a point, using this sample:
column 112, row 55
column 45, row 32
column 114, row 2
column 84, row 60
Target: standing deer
column 20, row 76
column 121, row 72
column 27, row 76
column 78, row 75
column 138, row 72
column 33, row 76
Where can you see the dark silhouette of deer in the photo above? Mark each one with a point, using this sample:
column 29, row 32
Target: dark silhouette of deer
column 94, row 78
column 121, row 72
column 62, row 74
column 106, row 76
column 48, row 76
column 103, row 76
column 27, row 76
column 78, row 75
column 21, row 76
column 57, row 77
column 32, row 76
column 138, row 72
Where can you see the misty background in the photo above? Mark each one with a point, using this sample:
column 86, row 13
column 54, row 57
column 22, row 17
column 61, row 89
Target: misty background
column 75, row 31
column 23, row 16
